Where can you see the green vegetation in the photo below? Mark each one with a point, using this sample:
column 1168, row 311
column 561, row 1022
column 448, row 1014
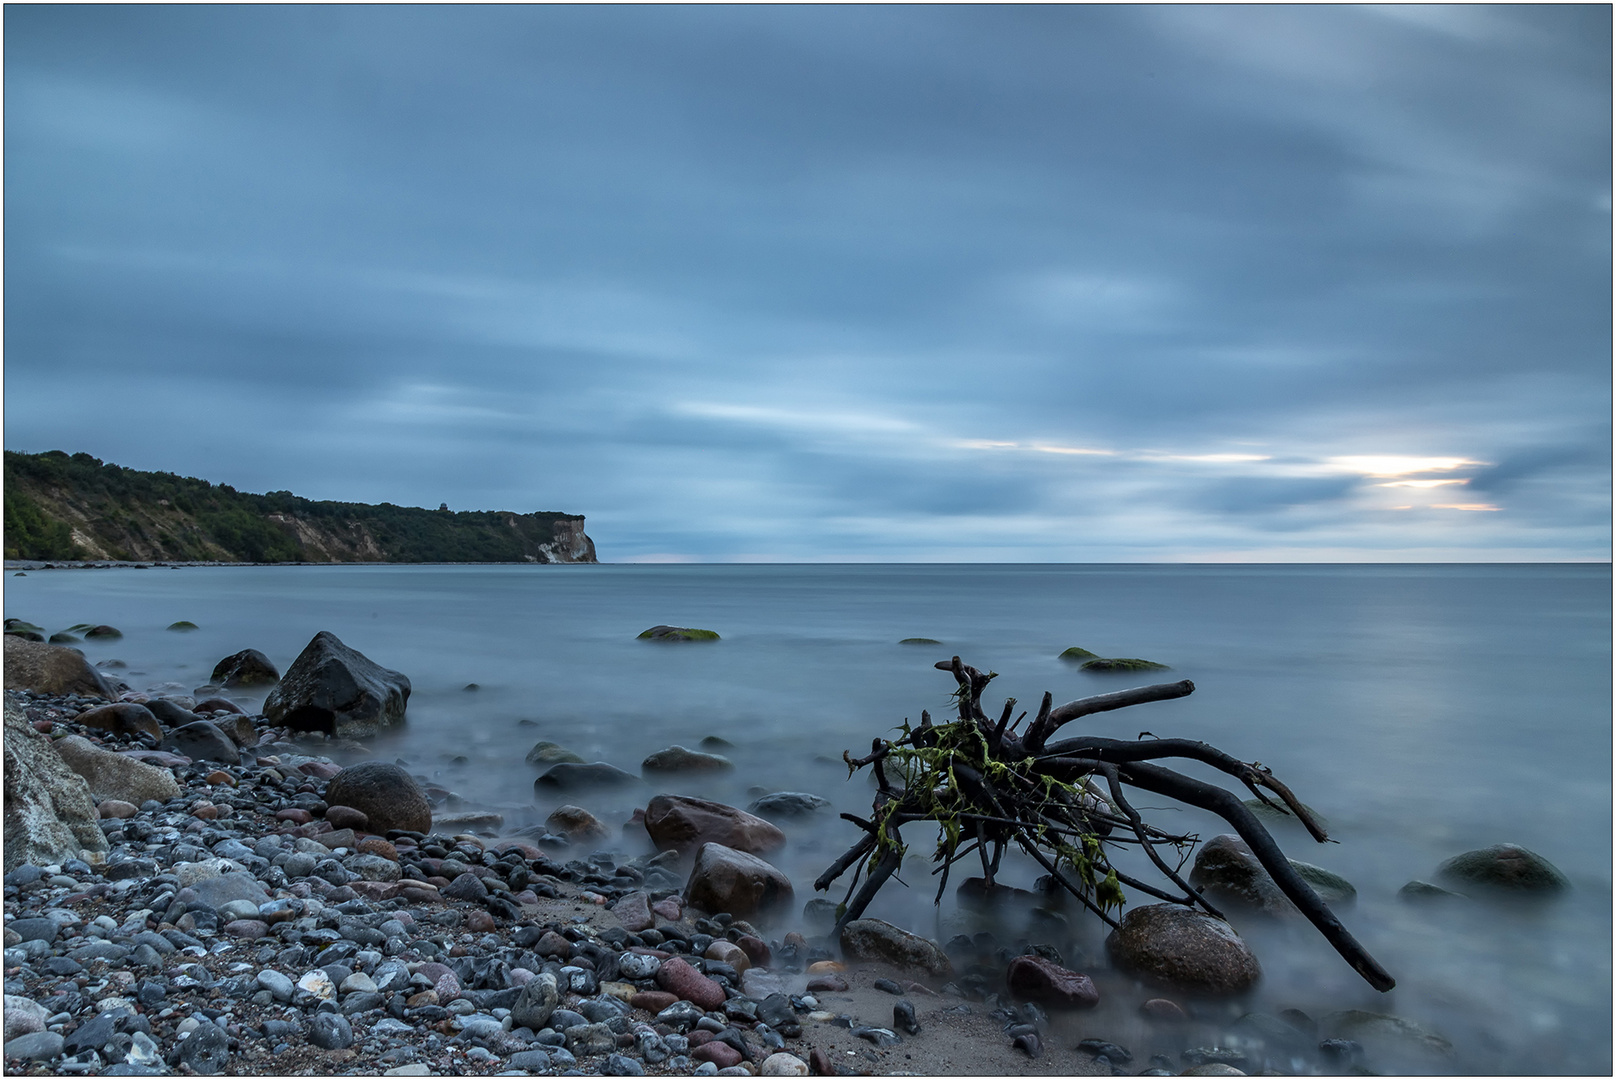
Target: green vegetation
column 1074, row 653
column 129, row 514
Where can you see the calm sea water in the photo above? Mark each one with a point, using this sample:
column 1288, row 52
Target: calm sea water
column 1424, row 710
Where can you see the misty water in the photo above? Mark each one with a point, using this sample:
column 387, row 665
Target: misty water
column 1423, row 710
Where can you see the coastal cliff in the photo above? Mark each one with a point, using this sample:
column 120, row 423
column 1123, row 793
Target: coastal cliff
column 60, row 506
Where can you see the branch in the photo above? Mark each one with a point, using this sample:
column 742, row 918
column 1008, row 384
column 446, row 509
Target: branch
column 1065, row 714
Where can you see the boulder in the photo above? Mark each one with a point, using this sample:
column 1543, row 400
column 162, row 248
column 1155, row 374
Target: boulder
column 1035, row 978
column 676, row 759
column 788, row 804
column 171, row 713
column 337, row 690
column 51, row 669
column 239, row 728
column 677, row 633
column 249, row 667
column 49, row 815
column 575, row 775
column 682, row 824
column 387, row 795
column 578, row 825
column 726, row 880
column 103, row 633
column 1503, row 869
column 545, row 754
column 1174, row 946
column 1077, row 654
column 877, row 941
column 201, row 740
column 122, row 718
column 1230, row 876
column 116, row 776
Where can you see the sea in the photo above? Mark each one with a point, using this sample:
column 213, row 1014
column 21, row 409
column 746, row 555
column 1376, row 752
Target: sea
column 1423, row 710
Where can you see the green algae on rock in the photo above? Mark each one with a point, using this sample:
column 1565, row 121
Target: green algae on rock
column 678, row 633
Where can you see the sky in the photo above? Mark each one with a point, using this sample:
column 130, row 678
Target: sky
column 836, row 283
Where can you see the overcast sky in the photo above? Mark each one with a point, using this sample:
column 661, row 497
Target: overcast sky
column 835, row 283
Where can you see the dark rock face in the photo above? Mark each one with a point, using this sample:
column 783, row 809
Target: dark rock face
column 249, row 667
column 388, row 796
column 1502, row 869
column 1174, row 946
column 1033, row 978
column 201, row 741
column 51, row 669
column 726, row 880
column 684, row 824
column 337, row 690
column 876, row 940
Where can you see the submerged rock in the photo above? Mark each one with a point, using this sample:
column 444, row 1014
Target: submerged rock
column 1123, row 664
column 676, row 759
column 1503, row 869
column 1076, row 654
column 677, row 633
column 1231, row 877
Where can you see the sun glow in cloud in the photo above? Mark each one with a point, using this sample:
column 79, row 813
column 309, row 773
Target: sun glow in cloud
column 1420, row 483
column 1396, row 465
column 1465, row 506
column 1044, row 449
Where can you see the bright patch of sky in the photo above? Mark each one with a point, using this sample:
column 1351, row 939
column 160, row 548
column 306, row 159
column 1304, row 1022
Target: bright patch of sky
column 872, row 283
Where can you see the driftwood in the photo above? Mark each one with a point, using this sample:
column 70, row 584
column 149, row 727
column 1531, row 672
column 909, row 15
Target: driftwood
column 1065, row 804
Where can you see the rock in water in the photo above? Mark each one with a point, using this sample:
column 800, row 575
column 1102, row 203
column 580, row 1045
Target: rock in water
column 788, row 804
column 249, row 667
column 51, row 669
column 1232, row 878
column 1034, row 978
column 879, row 941
column 1178, row 947
column 677, row 759
column 1123, row 664
column 1502, row 869
column 388, row 796
column 677, row 633
column 726, row 880
column 117, row 776
column 49, row 815
column 684, row 824
column 575, row 775
column 337, row 690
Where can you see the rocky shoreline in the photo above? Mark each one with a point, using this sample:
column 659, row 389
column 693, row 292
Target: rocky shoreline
column 238, row 903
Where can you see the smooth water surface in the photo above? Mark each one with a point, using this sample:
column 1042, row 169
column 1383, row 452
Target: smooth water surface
column 1424, row 710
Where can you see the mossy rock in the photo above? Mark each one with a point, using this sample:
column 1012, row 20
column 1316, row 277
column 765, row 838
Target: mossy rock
column 64, row 638
column 920, row 641
column 545, row 754
column 25, row 630
column 1123, row 664
column 79, row 628
column 1332, row 888
column 1502, row 869
column 678, row 633
column 183, row 626
column 1075, row 654
column 103, row 633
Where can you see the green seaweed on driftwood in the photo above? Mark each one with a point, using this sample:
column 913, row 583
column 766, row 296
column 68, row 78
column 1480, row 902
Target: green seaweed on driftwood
column 988, row 786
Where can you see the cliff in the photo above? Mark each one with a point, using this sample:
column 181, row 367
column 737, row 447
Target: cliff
column 77, row 507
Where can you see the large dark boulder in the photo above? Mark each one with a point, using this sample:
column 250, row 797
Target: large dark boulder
column 51, row 669
column 202, row 741
column 726, row 880
column 384, row 793
column 1185, row 949
column 249, row 667
column 337, row 690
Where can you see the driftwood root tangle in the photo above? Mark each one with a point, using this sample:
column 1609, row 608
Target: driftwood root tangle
column 1065, row 804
